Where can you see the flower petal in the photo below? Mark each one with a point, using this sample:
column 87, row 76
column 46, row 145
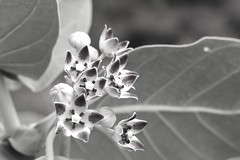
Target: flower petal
column 94, row 117
column 79, row 104
column 136, row 144
column 69, row 62
column 113, row 68
column 137, row 125
column 109, row 117
column 126, row 147
column 109, row 33
column 123, row 60
column 60, row 108
column 90, row 74
column 128, row 80
column 91, row 117
column 121, row 52
column 128, row 72
column 124, row 121
column 123, row 45
column 95, row 64
column 62, row 129
column 82, row 133
column 62, row 111
column 83, row 56
column 99, row 85
column 128, row 95
column 94, row 54
column 110, row 46
column 112, row 91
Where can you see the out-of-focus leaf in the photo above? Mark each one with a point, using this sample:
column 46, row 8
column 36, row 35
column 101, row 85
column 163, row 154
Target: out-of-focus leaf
column 196, row 88
column 55, row 158
column 8, row 153
column 75, row 15
column 28, row 31
column 235, row 158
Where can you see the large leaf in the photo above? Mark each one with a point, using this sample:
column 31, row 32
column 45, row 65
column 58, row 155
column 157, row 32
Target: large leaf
column 196, row 88
column 28, row 31
column 8, row 153
column 75, row 15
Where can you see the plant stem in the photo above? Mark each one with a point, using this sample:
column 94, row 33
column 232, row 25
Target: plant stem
column 7, row 110
column 49, row 144
column 167, row 108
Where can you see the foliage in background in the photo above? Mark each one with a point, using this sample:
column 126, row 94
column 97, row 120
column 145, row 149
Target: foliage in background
column 188, row 93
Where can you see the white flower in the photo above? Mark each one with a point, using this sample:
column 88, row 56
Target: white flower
column 90, row 84
column 75, row 119
column 110, row 45
column 125, row 131
column 119, row 79
column 74, row 65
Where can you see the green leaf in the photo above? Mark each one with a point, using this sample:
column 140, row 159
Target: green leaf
column 190, row 97
column 29, row 29
column 75, row 16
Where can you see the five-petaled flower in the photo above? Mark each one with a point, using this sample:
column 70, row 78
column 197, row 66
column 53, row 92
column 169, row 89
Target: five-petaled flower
column 110, row 45
column 120, row 80
column 74, row 65
column 125, row 131
column 75, row 119
column 90, row 84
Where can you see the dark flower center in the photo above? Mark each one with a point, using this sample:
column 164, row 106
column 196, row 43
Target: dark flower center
column 124, row 135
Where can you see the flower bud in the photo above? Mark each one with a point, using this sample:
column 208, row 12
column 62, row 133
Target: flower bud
column 79, row 39
column 109, row 117
column 62, row 93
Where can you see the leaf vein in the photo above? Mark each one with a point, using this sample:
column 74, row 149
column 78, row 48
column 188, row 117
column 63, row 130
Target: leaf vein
column 181, row 138
column 215, row 133
column 153, row 145
column 20, row 24
column 161, row 89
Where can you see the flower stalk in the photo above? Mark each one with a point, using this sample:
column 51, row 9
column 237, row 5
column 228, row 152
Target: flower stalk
column 7, row 110
column 49, row 144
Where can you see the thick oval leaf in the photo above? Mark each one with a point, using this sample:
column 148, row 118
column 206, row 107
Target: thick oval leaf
column 8, row 153
column 196, row 88
column 29, row 29
column 75, row 16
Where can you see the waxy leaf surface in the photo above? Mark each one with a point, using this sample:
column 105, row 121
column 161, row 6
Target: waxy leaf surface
column 75, row 15
column 28, row 32
column 189, row 95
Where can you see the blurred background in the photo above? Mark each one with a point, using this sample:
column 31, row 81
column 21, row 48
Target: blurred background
column 145, row 22
column 166, row 21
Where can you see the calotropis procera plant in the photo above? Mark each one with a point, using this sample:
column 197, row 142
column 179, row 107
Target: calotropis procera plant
column 87, row 80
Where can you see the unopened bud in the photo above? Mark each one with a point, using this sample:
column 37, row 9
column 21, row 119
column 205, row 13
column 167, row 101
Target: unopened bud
column 79, row 39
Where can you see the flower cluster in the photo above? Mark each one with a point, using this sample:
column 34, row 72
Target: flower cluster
column 87, row 81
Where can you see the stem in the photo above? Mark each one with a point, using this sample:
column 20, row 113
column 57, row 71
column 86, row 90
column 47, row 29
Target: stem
column 165, row 108
column 49, row 144
column 7, row 110
column 66, row 147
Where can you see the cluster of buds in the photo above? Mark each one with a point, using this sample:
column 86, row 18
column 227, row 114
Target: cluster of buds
column 87, row 81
